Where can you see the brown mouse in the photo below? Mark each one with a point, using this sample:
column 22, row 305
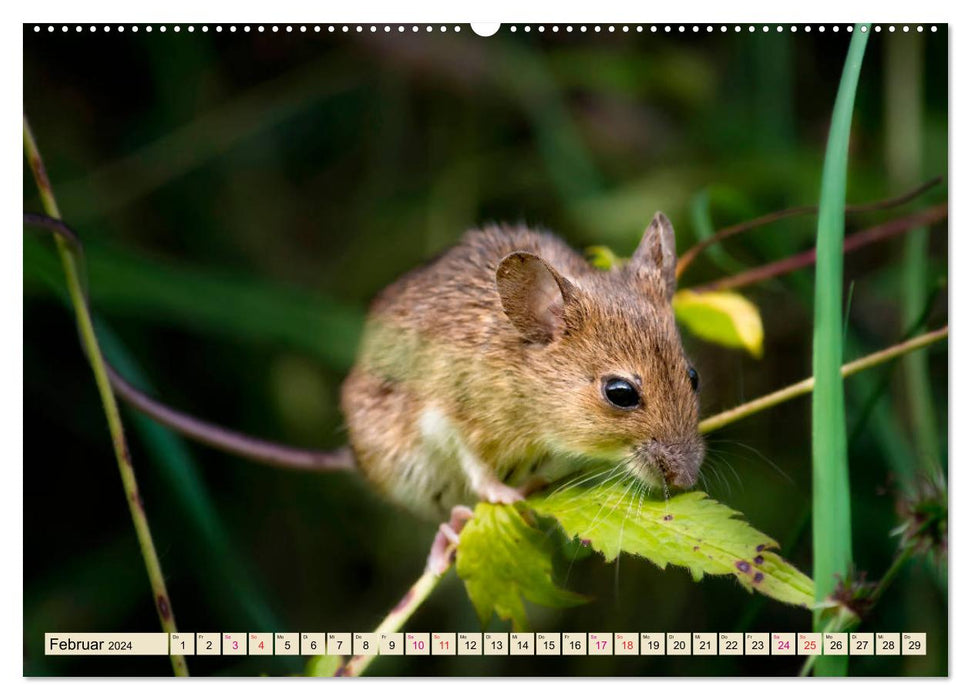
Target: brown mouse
column 506, row 360
column 511, row 358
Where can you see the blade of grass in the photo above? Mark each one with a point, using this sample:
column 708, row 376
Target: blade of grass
column 904, row 88
column 89, row 340
column 211, row 302
column 832, row 525
column 700, row 208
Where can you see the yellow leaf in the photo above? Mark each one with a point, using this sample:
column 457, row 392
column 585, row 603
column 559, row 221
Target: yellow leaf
column 725, row 318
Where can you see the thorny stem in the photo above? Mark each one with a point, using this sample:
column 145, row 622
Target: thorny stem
column 792, row 391
column 66, row 250
column 692, row 253
column 808, row 257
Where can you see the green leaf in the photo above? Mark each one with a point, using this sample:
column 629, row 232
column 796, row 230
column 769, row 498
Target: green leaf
column 602, row 257
column 502, row 560
column 323, row 665
column 689, row 530
column 725, row 318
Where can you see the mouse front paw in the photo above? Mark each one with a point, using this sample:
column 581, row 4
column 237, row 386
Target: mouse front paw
column 498, row 492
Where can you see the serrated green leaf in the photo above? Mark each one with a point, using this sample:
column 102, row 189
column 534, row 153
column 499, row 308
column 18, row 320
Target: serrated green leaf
column 689, row 530
column 725, row 318
column 502, row 560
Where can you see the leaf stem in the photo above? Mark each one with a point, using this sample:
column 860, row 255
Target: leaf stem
column 720, row 420
column 89, row 341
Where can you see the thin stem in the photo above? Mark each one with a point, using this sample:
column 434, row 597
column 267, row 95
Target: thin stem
column 399, row 615
column 89, row 341
column 692, row 253
column 808, row 257
column 763, row 403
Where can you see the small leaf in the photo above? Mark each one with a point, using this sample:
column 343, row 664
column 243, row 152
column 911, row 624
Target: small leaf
column 725, row 318
column 503, row 560
column 602, row 257
column 689, row 530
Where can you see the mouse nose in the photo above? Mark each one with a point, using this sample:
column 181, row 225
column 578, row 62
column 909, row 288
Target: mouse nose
column 679, row 461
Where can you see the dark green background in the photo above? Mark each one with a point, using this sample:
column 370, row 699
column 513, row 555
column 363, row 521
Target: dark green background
column 242, row 196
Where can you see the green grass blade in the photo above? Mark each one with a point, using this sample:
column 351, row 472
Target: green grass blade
column 122, row 283
column 832, row 529
column 904, row 118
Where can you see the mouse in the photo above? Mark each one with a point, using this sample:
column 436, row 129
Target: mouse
column 509, row 361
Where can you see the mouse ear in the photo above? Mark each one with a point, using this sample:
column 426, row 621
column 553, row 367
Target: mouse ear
column 656, row 251
column 533, row 295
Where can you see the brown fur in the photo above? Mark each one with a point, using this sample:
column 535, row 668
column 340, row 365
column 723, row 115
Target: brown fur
column 510, row 368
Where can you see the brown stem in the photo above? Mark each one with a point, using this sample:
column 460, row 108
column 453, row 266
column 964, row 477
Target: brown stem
column 689, row 255
column 808, row 257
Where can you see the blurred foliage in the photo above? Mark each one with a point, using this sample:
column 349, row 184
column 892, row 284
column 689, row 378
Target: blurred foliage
column 243, row 196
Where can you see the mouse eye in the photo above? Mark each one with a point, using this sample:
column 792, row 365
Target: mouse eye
column 693, row 377
column 621, row 393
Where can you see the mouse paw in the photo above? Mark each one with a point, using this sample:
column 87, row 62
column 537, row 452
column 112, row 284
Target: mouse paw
column 498, row 492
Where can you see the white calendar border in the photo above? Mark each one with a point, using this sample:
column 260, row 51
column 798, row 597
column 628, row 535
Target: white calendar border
column 438, row 11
